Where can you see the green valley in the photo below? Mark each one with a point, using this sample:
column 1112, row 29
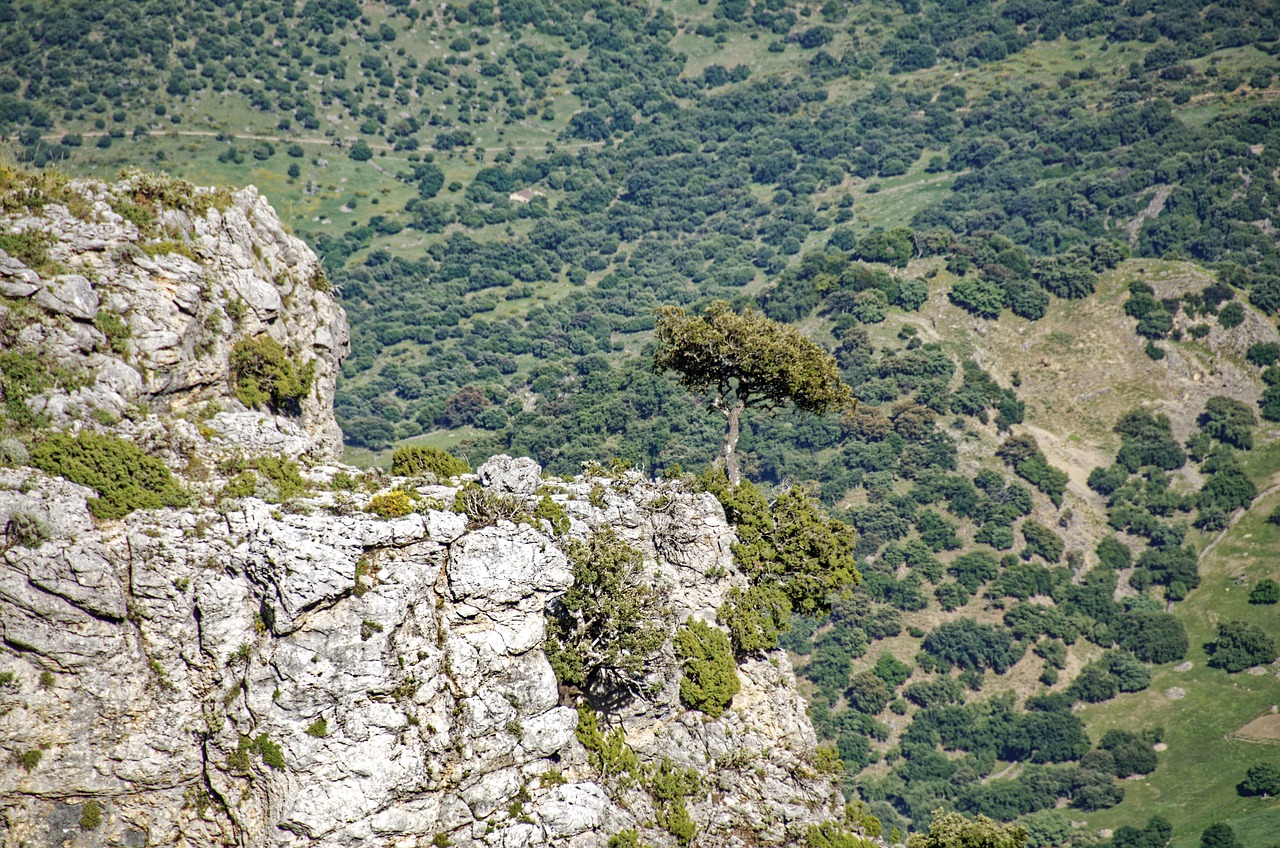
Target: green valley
column 1038, row 238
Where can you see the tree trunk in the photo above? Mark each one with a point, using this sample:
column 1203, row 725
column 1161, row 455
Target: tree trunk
column 731, row 443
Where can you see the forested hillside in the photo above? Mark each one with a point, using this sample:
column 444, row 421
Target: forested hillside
column 1039, row 238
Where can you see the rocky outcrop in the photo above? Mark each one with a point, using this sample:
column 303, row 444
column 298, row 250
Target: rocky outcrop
column 317, row 675
column 298, row 670
column 140, row 290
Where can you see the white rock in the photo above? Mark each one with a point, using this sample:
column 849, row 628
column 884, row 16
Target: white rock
column 70, row 295
column 520, row 476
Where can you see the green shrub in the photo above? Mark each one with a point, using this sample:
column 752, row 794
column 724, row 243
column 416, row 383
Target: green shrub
column 116, row 329
column 283, row 474
column 608, row 752
column 1231, row 316
column 124, row 477
column 826, row 760
column 22, row 375
column 756, row 618
column 139, row 216
column 791, row 544
column 550, row 511
column 1240, row 645
column 243, row 485
column 393, row 504
column 28, row 760
column 319, row 729
column 413, row 461
column 1265, row 591
column 606, row 628
column 626, row 839
column 483, row 507
column 831, row 834
column 668, row 786
column 710, row 675
column 90, row 815
column 24, row 529
column 31, row 248
column 263, row 373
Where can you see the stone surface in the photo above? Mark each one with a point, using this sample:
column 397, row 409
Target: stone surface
column 176, row 638
column 515, row 476
column 183, row 314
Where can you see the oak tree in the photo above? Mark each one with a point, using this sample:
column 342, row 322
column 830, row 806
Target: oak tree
column 744, row 359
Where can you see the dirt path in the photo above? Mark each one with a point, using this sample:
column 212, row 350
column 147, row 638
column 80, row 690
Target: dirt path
column 1272, row 489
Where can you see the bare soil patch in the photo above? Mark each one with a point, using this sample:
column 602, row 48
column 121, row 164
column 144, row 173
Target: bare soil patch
column 1264, row 729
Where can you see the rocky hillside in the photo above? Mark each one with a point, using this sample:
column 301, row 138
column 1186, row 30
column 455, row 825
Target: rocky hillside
column 304, row 654
column 121, row 306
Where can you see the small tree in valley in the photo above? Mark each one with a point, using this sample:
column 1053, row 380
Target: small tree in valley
column 744, row 359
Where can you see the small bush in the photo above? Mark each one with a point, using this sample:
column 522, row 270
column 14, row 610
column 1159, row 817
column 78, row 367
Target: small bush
column 116, row 329
column 319, row 729
column 606, row 628
column 710, row 675
column 413, row 461
column 25, row 530
column 1265, row 591
column 124, row 477
column 31, row 248
column 393, row 504
column 283, row 474
column 28, row 760
column 263, row 373
column 484, row 507
column 1231, row 316
column 243, row 485
column 1263, row 354
column 756, row 618
column 551, row 512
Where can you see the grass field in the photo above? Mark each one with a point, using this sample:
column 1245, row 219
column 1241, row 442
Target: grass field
column 1195, row 784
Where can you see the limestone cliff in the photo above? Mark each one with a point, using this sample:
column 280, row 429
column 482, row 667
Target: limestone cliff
column 140, row 289
column 300, row 670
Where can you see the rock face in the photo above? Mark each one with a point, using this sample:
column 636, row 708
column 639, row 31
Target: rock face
column 143, row 291
column 305, row 672
column 319, row 674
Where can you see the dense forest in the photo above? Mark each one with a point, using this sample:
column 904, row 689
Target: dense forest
column 504, row 193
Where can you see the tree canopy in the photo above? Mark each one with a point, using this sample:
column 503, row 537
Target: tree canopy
column 745, row 359
column 954, row 830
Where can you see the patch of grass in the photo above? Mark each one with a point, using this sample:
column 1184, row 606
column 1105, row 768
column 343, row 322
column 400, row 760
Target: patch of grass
column 90, row 815
column 164, row 248
column 31, row 248
column 1195, row 784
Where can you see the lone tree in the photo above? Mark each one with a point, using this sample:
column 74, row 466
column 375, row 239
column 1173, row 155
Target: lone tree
column 744, row 359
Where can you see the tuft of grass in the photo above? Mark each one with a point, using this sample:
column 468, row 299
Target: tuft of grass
column 90, row 815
